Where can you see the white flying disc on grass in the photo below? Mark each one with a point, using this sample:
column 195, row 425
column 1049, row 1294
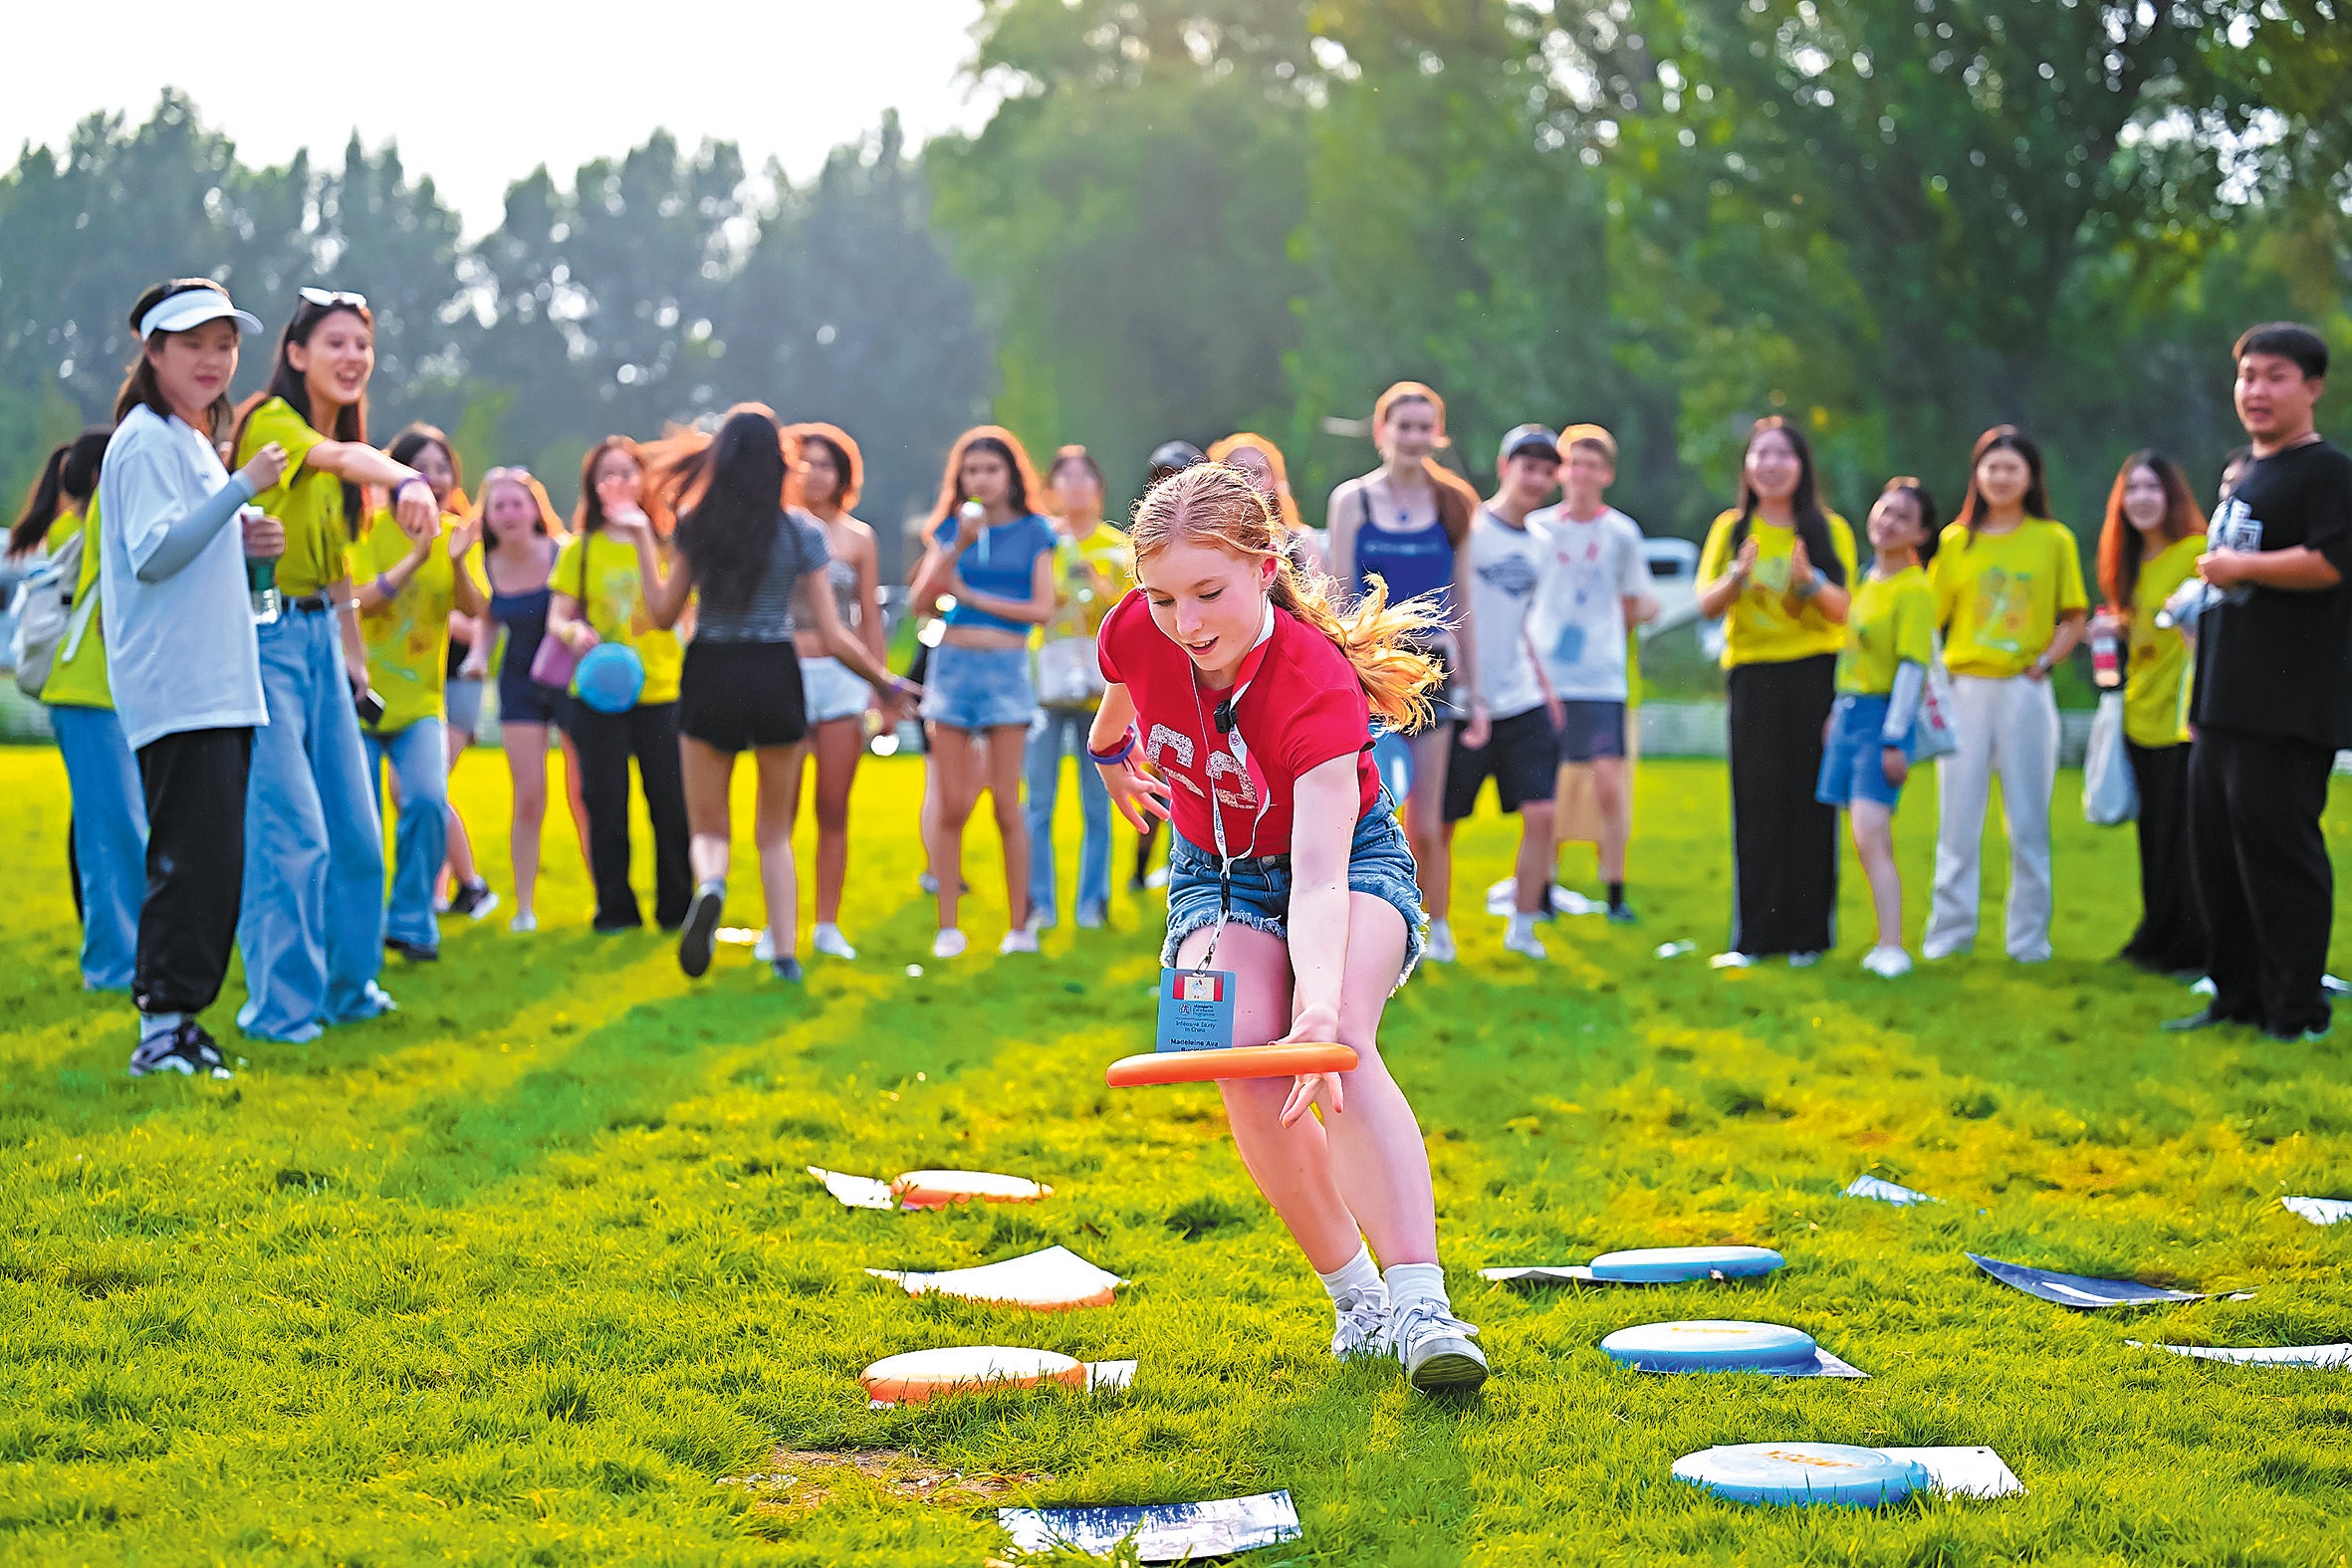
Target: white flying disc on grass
column 966, row 1369
column 1054, row 1281
column 938, row 1189
column 1800, row 1474
column 2086, row 1292
column 2321, row 1210
column 1886, row 1191
column 1658, row 1265
column 1163, row 1532
column 1711, row 1345
column 2330, row 1358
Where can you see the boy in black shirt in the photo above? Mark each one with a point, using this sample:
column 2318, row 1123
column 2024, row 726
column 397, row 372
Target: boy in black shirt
column 2272, row 697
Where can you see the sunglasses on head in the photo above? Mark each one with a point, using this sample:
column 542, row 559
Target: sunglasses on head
column 328, row 299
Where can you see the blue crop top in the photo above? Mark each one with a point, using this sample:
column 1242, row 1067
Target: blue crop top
column 1003, row 563
column 1412, row 561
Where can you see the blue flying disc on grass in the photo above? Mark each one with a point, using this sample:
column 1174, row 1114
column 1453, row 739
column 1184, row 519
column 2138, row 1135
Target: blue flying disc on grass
column 1656, row 1266
column 1711, row 1345
column 610, row 677
column 1799, row 1474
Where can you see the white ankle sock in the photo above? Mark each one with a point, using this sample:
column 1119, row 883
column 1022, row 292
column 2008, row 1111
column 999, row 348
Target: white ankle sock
column 1355, row 1277
column 153, row 1026
column 1410, row 1282
column 1521, row 927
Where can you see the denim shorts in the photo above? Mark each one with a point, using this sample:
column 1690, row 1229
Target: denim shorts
column 1852, row 767
column 832, row 689
column 978, row 688
column 461, row 702
column 1378, row 864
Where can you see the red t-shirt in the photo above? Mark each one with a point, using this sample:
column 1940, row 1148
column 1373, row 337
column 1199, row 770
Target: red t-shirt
column 1303, row 707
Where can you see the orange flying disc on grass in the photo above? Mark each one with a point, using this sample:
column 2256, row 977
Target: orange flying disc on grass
column 1235, row 1061
column 938, row 1189
column 913, row 1378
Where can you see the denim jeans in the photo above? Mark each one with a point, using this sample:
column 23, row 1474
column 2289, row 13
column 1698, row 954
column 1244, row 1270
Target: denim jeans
column 1062, row 729
column 420, row 839
column 311, row 925
column 110, row 839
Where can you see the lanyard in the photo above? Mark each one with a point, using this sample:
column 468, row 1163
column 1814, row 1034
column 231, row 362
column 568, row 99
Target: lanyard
column 1229, row 741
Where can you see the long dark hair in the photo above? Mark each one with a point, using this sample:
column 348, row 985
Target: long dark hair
column 1804, row 503
column 140, row 387
column 2004, row 438
column 729, row 490
column 1926, row 506
column 588, row 516
column 70, row 474
column 2121, row 549
column 985, row 438
column 351, row 424
column 414, row 438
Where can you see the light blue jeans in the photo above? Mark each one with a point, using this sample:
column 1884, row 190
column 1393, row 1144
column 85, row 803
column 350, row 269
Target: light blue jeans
column 420, row 838
column 110, row 839
column 311, row 927
column 1064, row 730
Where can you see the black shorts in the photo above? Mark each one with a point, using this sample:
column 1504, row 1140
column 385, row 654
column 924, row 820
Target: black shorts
column 1590, row 730
column 735, row 696
column 522, row 700
column 1518, row 755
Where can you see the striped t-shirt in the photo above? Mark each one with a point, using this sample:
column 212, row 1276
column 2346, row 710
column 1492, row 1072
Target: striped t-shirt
column 766, row 616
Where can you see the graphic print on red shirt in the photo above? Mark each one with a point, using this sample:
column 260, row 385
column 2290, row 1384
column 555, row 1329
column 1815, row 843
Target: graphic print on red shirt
column 1303, row 707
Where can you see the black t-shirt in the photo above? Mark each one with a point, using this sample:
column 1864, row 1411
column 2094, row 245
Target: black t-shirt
column 2271, row 661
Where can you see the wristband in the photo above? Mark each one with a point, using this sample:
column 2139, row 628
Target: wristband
column 384, row 586
column 1118, row 754
column 403, row 484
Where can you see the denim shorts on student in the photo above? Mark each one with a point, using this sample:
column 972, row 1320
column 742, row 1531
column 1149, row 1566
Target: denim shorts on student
column 1852, row 767
column 1378, row 864
column 978, row 688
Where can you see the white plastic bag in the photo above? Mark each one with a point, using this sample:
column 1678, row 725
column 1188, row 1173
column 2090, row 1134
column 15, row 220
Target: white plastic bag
column 2109, row 797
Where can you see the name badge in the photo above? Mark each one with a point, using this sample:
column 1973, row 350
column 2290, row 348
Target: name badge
column 1196, row 1010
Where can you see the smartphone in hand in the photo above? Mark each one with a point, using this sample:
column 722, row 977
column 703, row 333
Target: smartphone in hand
column 371, row 708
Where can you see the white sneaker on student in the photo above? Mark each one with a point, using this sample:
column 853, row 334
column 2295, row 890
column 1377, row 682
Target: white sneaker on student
column 1435, row 1347
column 1520, row 937
column 764, row 949
column 1734, row 960
column 1361, row 1326
column 1439, row 948
column 1805, row 960
column 523, row 924
column 1023, row 939
column 827, row 939
column 948, row 943
column 1887, row 962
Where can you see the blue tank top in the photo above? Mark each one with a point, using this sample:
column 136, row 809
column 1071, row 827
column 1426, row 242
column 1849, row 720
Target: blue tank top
column 1412, row 561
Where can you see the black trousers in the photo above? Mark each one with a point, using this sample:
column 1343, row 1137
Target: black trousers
column 194, row 783
column 1783, row 841
column 2263, row 880
column 2171, row 938
column 605, row 742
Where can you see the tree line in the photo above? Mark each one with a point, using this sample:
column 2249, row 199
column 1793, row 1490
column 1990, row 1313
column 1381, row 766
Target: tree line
column 1894, row 221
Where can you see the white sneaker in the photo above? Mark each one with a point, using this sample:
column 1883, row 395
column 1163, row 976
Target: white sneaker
column 1887, row 962
column 1731, row 961
column 1362, row 1328
column 764, row 949
column 827, row 939
column 1156, row 877
column 1804, row 959
column 1439, row 947
column 1520, row 937
column 1435, row 1347
column 948, row 943
column 1023, row 939
column 524, row 923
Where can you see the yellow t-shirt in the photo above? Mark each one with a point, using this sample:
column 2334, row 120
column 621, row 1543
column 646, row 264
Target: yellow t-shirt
column 614, row 605
column 407, row 639
column 2157, row 669
column 78, row 679
column 1758, row 628
column 2000, row 596
column 307, row 502
column 1891, row 619
column 1079, row 605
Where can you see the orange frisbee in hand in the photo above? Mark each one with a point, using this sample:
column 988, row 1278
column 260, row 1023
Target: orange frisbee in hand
column 1234, row 1061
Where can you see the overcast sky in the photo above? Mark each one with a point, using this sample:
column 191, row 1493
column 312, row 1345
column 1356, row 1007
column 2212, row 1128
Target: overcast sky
column 492, row 88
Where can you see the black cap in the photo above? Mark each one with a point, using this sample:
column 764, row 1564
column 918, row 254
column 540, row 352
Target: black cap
column 1173, row 457
column 1526, row 439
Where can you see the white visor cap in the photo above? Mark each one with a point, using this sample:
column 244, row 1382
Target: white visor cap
column 193, row 308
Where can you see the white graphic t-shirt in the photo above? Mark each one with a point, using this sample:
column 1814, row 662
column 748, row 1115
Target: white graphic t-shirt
column 1577, row 621
column 1505, row 562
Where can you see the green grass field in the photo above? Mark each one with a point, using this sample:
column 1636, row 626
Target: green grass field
column 531, row 1271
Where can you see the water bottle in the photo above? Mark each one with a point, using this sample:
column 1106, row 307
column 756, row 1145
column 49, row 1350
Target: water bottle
column 2190, row 600
column 2106, row 652
column 261, row 577
column 972, row 524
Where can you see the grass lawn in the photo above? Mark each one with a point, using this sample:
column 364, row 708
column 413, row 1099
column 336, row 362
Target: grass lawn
column 522, row 1272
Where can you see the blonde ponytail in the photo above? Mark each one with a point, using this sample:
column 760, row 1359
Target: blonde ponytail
column 1213, row 504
